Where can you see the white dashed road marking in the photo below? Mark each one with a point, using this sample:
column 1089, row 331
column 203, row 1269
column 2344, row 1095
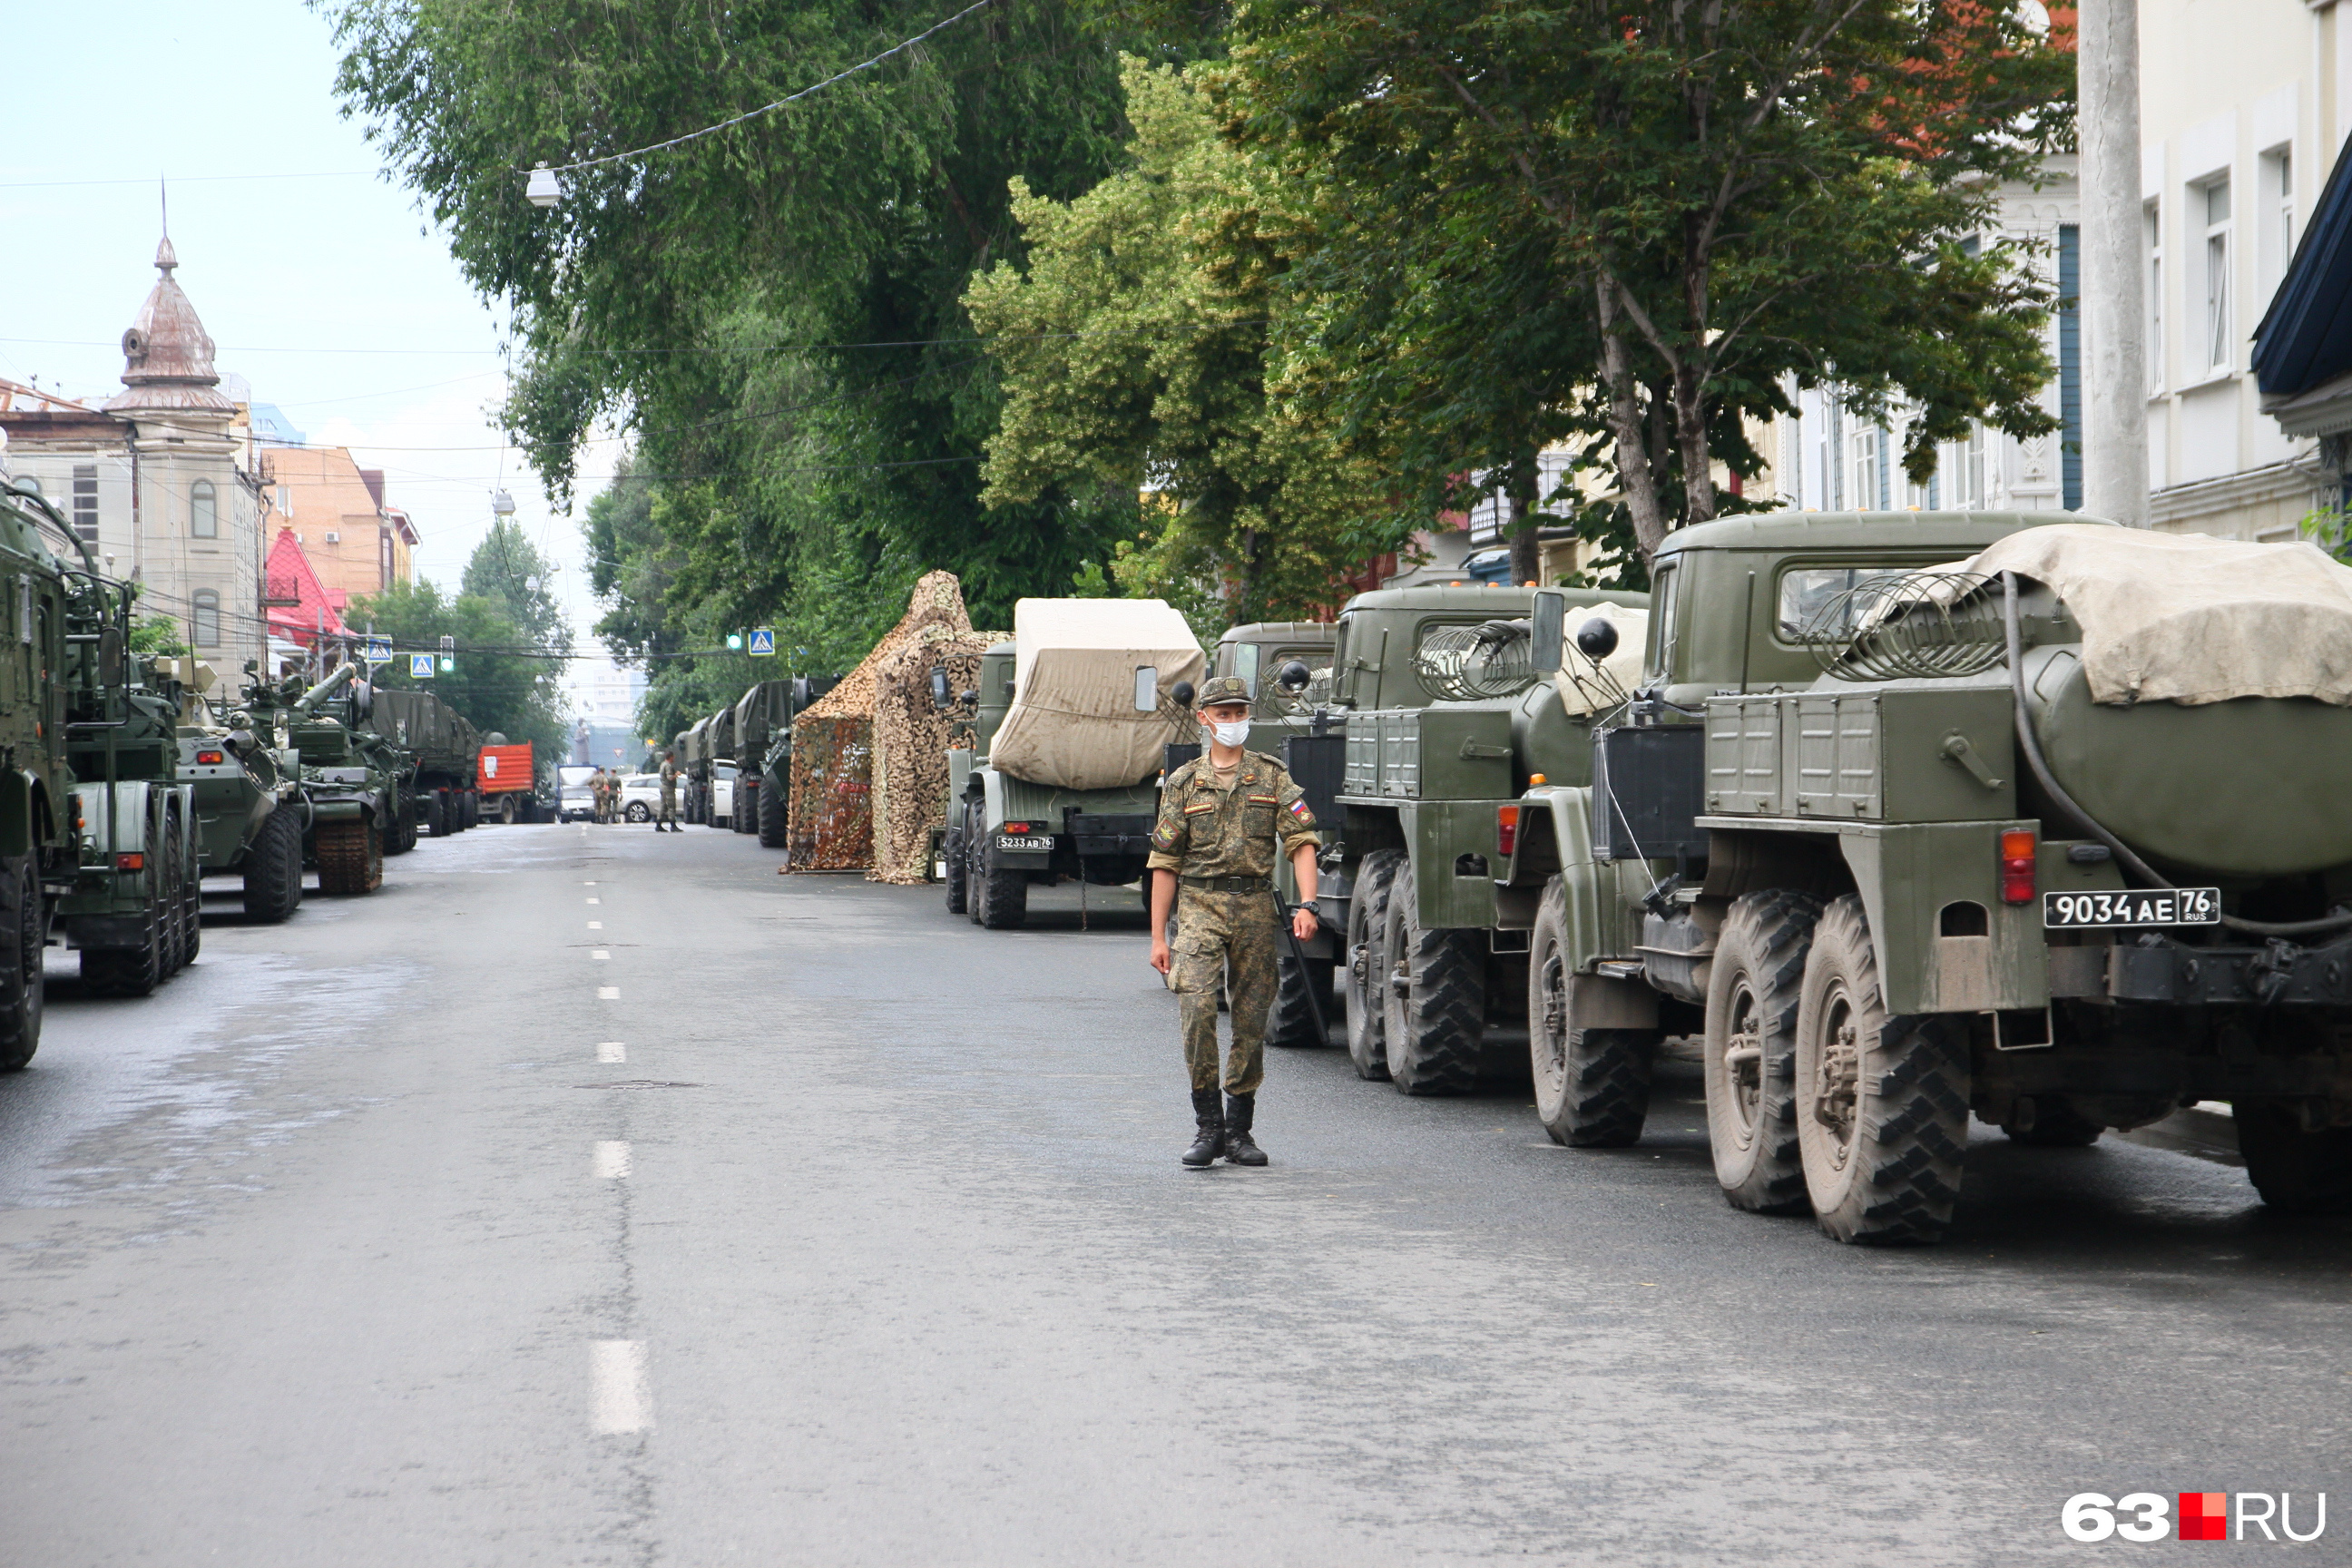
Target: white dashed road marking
column 595, row 899
column 608, row 994
column 612, row 1160
column 595, row 925
column 617, row 1371
column 601, row 956
column 611, row 1051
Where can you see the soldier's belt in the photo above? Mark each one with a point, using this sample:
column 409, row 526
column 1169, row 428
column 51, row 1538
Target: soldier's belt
column 1228, row 884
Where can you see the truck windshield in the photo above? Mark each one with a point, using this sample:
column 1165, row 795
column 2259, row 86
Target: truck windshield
column 573, row 774
column 1808, row 591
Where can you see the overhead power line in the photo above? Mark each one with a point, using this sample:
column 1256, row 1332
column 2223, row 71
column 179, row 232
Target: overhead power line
column 765, row 107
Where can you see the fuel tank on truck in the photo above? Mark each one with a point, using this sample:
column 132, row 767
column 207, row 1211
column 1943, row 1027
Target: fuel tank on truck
column 2252, row 787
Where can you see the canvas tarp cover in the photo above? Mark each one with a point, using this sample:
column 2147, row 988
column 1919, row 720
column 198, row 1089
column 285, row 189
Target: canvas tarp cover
column 2189, row 619
column 1073, row 724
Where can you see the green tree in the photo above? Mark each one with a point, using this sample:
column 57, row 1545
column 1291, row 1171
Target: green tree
column 508, row 570
column 1134, row 345
column 1734, row 195
column 773, row 312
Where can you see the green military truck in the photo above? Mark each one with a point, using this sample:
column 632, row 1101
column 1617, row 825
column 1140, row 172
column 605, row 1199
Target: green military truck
column 764, row 743
column 694, row 761
column 40, row 837
column 249, row 800
column 1071, row 723
column 1449, row 711
column 135, row 908
column 350, row 778
column 1913, row 815
column 444, row 752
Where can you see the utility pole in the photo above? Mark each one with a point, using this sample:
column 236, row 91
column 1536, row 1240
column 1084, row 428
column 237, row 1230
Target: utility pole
column 2113, row 281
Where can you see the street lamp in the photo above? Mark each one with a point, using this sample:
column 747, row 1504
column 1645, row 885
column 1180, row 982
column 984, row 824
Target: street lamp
column 542, row 190
column 501, row 504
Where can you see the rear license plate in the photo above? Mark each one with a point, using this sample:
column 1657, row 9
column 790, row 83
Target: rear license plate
column 2175, row 906
column 1007, row 841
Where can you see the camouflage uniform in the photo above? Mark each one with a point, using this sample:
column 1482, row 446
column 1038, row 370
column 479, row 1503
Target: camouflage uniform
column 1226, row 931
column 669, row 775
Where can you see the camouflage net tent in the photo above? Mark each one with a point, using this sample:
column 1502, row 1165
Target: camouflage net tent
column 833, row 776
column 910, row 746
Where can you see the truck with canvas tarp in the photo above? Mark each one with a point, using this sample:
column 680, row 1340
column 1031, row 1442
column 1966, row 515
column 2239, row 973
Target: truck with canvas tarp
column 1071, row 723
column 443, row 748
column 1916, row 816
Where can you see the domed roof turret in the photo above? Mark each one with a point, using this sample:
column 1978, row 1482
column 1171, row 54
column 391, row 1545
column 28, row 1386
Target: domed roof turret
column 167, row 356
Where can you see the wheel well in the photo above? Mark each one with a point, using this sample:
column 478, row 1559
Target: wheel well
column 1740, row 863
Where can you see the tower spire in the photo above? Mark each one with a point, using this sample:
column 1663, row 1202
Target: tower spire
column 166, row 257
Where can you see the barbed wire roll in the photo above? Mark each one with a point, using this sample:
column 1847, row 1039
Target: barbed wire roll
column 1920, row 625
column 1467, row 664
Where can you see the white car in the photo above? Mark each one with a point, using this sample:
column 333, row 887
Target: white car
column 575, row 801
column 640, row 796
column 723, row 795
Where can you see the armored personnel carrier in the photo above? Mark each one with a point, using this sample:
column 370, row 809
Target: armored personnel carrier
column 248, row 799
column 350, row 778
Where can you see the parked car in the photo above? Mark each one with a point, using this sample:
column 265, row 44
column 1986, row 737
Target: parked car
column 723, row 795
column 641, row 796
column 574, row 800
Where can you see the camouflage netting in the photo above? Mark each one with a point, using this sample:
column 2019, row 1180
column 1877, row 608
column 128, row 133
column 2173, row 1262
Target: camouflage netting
column 831, row 826
column 910, row 746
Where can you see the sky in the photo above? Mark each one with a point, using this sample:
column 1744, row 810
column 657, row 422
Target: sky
column 324, row 286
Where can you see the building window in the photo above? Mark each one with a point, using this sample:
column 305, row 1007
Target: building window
column 203, row 510
column 384, row 559
column 1862, row 486
column 285, row 502
column 2154, row 221
column 85, row 503
column 2215, row 200
column 204, row 619
column 2277, row 238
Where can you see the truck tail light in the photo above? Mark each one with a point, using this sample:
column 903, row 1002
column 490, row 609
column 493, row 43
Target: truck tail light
column 2017, row 867
column 209, row 759
column 1016, row 827
column 1507, row 829
column 131, row 861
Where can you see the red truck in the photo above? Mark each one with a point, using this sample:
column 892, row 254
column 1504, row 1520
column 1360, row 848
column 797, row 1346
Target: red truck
column 505, row 781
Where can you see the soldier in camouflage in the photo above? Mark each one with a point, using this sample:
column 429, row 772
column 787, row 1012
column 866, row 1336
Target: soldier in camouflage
column 1223, row 818
column 670, row 772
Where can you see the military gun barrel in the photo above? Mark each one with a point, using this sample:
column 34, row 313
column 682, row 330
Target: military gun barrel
column 309, row 701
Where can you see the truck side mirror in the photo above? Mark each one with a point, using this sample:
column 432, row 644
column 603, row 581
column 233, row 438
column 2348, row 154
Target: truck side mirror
column 940, row 687
column 1183, row 692
column 1293, row 676
column 110, row 656
column 1596, row 639
column 1547, row 623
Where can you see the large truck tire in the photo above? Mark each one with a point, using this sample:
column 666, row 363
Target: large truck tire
column 127, row 971
column 2296, row 1171
column 1750, row 1052
column 351, row 856
column 1368, row 966
column 437, row 813
column 747, row 805
column 172, row 902
column 975, row 869
column 1591, row 1085
column 192, row 899
column 1882, row 1103
column 273, row 868
column 955, row 882
column 1291, row 1020
column 773, row 827
column 1435, row 1006
column 1004, row 897
column 21, row 990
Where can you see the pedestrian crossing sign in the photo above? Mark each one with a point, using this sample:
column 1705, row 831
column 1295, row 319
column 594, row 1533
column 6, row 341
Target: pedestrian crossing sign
column 420, row 666
column 379, row 650
column 763, row 643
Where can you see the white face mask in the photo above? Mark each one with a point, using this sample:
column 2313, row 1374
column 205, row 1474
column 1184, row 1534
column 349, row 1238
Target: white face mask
column 1231, row 734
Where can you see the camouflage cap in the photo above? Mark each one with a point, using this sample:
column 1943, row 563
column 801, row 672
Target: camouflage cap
column 1223, row 691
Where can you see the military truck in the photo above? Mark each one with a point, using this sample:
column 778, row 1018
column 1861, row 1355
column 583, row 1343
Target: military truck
column 1914, row 816
column 694, row 762
column 1071, row 722
column 443, row 749
column 1446, row 716
column 249, row 800
column 350, row 777
column 718, row 743
column 39, row 855
column 763, row 744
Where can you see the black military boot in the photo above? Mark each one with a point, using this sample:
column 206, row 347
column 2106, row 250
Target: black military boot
column 1211, row 1141
column 1239, row 1147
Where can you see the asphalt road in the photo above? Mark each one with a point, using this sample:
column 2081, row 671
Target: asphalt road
column 594, row 1196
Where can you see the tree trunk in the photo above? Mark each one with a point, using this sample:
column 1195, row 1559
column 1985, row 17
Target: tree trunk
column 1690, row 439
column 1636, row 479
column 1527, row 555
